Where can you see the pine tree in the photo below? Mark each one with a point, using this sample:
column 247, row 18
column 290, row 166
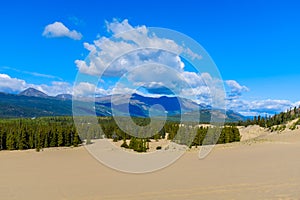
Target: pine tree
column 60, row 138
column 22, row 143
column 132, row 143
column 124, row 144
column 2, row 139
column 76, row 139
column 46, row 141
column 10, row 142
column 53, row 142
column 38, row 144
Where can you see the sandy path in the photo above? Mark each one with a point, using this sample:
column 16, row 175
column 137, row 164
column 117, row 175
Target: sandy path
column 265, row 169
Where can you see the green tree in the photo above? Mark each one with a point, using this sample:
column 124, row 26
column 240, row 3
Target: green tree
column 76, row 139
column 60, row 138
column 53, row 142
column 11, row 142
column 22, row 143
column 124, row 144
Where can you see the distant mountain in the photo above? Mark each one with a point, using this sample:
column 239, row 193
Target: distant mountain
column 64, row 96
column 31, row 92
column 139, row 106
column 205, row 115
column 33, row 103
column 12, row 105
column 232, row 116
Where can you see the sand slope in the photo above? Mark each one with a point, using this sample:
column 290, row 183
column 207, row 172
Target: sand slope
column 264, row 168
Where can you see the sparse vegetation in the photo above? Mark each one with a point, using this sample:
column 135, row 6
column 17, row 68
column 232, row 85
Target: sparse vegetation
column 124, row 145
column 278, row 128
column 294, row 125
column 158, row 148
column 138, row 144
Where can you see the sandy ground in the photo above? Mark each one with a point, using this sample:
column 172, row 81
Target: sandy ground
column 267, row 167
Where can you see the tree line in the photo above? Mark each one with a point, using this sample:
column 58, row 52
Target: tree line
column 38, row 133
column 269, row 121
column 21, row 134
column 204, row 135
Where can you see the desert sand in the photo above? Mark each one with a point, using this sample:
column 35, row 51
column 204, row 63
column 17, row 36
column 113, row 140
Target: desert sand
column 262, row 166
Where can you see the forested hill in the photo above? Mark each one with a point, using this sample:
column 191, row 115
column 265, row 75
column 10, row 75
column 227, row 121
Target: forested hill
column 30, row 106
column 280, row 120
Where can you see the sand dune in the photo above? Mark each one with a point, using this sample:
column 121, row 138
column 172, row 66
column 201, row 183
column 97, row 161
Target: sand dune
column 267, row 167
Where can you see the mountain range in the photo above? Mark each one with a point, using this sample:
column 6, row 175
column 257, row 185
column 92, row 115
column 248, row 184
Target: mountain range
column 34, row 103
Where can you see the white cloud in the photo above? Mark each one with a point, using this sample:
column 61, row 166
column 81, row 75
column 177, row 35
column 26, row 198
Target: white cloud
column 297, row 104
column 86, row 89
column 56, row 87
column 58, row 29
column 157, row 78
column 130, row 46
column 202, row 92
column 8, row 84
column 235, row 86
column 117, row 27
column 89, row 47
column 124, row 55
column 237, row 105
column 123, row 89
column 260, row 107
column 15, row 85
column 252, row 113
column 235, row 89
column 195, row 80
column 270, row 105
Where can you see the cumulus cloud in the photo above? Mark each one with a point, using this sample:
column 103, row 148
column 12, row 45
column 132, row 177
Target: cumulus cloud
column 130, row 50
column 117, row 27
column 129, row 47
column 235, row 89
column 9, row 84
column 89, row 47
column 194, row 79
column 260, row 107
column 158, row 79
column 55, row 88
column 144, row 70
column 270, row 105
column 86, row 89
column 58, row 29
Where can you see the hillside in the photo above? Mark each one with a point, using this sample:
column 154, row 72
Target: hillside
column 259, row 127
column 282, row 119
column 33, row 103
column 30, row 106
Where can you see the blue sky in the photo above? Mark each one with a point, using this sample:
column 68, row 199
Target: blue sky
column 254, row 43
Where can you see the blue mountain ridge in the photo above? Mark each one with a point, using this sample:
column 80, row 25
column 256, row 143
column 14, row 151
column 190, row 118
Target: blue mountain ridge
column 33, row 103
